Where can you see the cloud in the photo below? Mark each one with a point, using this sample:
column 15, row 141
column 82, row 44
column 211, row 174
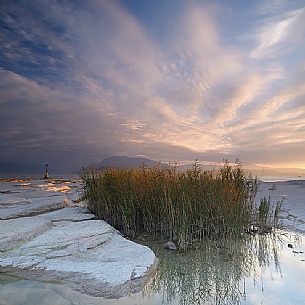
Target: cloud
column 39, row 122
column 92, row 80
column 275, row 35
column 248, row 91
column 271, row 108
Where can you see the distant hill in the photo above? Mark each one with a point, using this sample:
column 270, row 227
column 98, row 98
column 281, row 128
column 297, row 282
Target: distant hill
column 256, row 170
column 125, row 162
column 134, row 162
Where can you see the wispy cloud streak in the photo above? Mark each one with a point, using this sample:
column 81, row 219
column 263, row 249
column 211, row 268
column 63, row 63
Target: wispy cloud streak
column 92, row 78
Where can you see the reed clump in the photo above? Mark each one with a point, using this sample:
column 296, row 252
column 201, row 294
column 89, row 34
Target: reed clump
column 184, row 206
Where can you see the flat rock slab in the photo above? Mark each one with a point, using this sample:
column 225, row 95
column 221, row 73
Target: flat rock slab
column 291, row 194
column 29, row 207
column 68, row 214
column 32, row 197
column 67, row 245
column 14, row 232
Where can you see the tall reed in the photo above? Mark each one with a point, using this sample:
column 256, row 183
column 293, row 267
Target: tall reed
column 183, row 206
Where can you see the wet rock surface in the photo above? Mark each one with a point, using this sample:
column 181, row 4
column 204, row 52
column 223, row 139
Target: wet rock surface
column 291, row 194
column 45, row 236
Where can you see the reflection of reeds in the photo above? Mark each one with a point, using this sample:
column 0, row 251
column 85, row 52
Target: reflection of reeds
column 216, row 273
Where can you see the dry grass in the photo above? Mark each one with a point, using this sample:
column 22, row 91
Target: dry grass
column 182, row 206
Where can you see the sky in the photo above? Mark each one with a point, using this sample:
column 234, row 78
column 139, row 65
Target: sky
column 167, row 80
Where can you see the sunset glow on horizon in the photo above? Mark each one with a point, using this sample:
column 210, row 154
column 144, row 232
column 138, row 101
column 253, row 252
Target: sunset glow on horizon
column 168, row 80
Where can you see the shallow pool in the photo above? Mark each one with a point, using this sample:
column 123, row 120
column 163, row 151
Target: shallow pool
column 260, row 270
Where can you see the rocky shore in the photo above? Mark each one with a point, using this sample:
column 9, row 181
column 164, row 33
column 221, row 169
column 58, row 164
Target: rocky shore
column 47, row 234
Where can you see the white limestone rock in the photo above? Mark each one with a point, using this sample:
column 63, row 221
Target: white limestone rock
column 42, row 239
column 89, row 256
column 35, row 197
column 69, row 214
column 14, row 207
column 15, row 231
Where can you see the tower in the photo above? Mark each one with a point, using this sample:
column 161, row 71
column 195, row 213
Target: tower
column 46, row 173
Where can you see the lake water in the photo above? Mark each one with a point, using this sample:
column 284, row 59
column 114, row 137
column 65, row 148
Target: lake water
column 260, row 270
column 280, row 178
column 265, row 178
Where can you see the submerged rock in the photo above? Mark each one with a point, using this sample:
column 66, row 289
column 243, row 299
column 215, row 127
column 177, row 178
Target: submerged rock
column 69, row 245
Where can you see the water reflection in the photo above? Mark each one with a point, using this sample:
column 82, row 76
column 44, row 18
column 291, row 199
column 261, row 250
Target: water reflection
column 217, row 273
column 261, row 269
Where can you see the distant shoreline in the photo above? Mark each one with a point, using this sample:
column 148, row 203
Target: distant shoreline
column 3, row 176
column 280, row 179
column 37, row 176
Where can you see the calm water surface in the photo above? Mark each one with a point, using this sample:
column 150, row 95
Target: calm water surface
column 259, row 270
